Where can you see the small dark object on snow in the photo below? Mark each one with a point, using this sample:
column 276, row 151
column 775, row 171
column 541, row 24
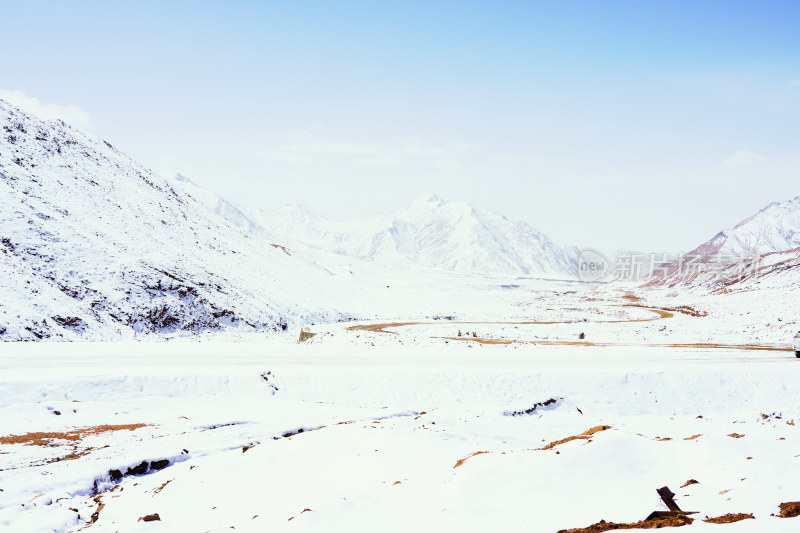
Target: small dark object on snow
column 158, row 465
column 150, row 518
column 137, row 470
column 115, row 474
column 582, row 336
column 668, row 497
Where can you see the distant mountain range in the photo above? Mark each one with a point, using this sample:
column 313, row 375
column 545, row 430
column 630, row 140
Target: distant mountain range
column 757, row 250
column 430, row 233
column 95, row 246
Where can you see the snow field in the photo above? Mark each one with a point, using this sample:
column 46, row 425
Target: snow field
column 379, row 415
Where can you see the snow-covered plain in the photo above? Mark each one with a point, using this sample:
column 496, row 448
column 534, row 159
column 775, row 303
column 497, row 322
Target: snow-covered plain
column 387, row 412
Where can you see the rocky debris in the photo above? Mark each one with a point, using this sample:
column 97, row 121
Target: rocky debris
column 150, row 518
column 269, row 378
column 142, row 468
column 137, row 470
column 72, row 322
column 532, row 409
column 158, row 465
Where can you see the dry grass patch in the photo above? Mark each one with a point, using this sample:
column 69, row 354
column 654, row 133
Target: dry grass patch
column 583, row 436
column 46, row 438
column 461, row 461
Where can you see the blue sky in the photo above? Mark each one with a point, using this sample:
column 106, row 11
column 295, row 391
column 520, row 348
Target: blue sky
column 649, row 125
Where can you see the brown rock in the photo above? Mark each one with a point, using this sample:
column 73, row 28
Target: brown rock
column 790, row 509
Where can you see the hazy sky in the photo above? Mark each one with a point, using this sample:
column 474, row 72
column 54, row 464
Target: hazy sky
column 650, row 125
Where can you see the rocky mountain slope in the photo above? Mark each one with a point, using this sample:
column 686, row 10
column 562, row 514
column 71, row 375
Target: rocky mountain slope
column 430, row 233
column 763, row 248
column 95, row 246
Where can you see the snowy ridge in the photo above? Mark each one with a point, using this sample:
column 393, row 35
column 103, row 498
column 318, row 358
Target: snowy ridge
column 430, row 233
column 214, row 202
column 93, row 245
column 763, row 245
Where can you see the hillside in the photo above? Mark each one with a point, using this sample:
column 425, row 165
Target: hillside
column 96, row 246
column 764, row 248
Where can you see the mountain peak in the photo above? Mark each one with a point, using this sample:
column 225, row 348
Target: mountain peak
column 429, row 199
column 431, row 233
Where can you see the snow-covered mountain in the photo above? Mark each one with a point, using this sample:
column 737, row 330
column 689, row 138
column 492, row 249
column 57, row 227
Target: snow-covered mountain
column 765, row 244
column 430, row 233
column 94, row 245
column 214, row 202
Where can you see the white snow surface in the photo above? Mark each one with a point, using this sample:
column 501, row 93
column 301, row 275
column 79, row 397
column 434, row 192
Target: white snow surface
column 679, row 388
column 95, row 246
column 382, row 433
column 430, row 233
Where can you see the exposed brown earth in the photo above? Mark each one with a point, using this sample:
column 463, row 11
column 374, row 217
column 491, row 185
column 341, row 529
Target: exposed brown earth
column 729, row 518
column 160, row 488
column 660, row 312
column 46, row 438
column 683, row 309
column 381, row 328
column 672, row 521
column 790, row 509
column 583, row 436
column 699, row 345
column 462, row 461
